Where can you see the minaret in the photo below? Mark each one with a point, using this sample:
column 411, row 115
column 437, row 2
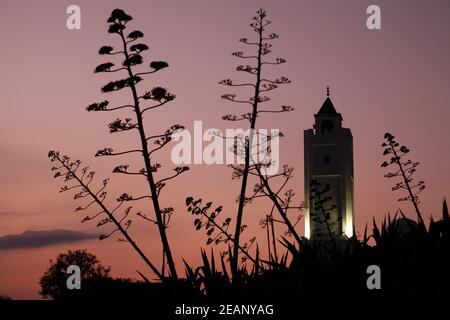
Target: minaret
column 329, row 161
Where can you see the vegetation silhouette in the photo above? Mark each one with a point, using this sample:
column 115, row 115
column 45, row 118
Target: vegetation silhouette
column 251, row 148
column 4, row 297
column 130, row 52
column 323, row 208
column 53, row 282
column 404, row 169
column 414, row 258
column 96, row 282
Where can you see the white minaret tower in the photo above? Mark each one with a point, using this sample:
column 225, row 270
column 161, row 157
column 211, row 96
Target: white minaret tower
column 329, row 161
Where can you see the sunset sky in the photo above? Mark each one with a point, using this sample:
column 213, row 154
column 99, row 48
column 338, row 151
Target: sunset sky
column 395, row 79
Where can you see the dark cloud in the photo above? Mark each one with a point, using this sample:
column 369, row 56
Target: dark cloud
column 37, row 239
column 17, row 214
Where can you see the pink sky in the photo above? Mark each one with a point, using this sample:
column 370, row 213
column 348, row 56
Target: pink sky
column 395, row 79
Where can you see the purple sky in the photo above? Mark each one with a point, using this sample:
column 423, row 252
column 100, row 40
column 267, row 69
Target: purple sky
column 395, row 79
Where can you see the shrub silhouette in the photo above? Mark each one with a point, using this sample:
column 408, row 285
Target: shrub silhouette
column 414, row 261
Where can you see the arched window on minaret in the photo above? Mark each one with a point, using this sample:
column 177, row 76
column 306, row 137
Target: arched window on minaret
column 326, row 126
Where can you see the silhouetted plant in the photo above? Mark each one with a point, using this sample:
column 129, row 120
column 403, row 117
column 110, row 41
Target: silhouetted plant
column 217, row 232
column 259, row 85
column 283, row 203
column 80, row 178
column 268, row 223
column 322, row 207
column 131, row 51
column 404, row 169
column 403, row 250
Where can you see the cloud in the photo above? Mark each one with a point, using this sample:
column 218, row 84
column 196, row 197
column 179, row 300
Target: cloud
column 38, row 239
column 18, row 214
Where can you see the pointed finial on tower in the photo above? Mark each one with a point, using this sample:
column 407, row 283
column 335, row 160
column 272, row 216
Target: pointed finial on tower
column 328, row 91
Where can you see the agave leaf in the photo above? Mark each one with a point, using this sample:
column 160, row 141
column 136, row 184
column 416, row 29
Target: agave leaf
column 143, row 277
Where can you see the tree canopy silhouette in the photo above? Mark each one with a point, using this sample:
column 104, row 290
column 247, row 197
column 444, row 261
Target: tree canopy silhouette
column 53, row 282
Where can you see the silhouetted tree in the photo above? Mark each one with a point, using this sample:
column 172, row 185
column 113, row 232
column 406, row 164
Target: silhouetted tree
column 130, row 50
column 404, row 169
column 53, row 282
column 96, row 284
